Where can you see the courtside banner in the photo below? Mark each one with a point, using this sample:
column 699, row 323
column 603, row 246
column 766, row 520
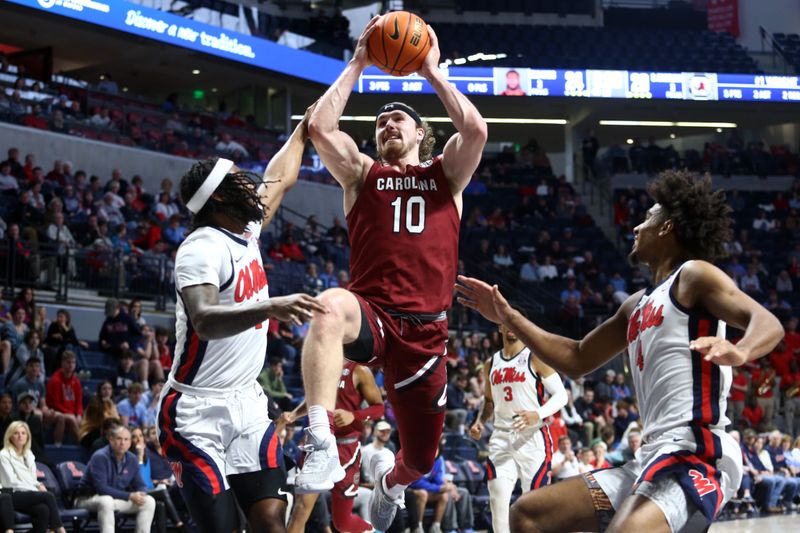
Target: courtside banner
column 179, row 31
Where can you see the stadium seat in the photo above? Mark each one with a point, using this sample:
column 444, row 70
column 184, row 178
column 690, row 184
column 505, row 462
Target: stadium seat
column 77, row 517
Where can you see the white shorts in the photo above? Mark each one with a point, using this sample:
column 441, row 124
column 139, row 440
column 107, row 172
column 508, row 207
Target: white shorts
column 525, row 455
column 689, row 472
column 208, row 435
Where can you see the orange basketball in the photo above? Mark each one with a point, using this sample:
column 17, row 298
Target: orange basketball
column 399, row 43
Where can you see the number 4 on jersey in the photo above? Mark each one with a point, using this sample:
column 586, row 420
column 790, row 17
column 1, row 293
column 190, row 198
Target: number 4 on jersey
column 415, row 203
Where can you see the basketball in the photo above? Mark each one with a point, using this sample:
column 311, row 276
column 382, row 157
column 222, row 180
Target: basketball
column 399, row 43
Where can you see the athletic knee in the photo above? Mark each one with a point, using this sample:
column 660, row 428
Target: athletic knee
column 523, row 519
column 342, row 307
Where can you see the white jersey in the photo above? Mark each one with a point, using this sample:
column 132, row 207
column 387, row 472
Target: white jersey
column 515, row 387
column 232, row 263
column 675, row 386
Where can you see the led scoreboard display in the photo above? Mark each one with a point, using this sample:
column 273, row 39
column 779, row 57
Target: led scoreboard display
column 596, row 84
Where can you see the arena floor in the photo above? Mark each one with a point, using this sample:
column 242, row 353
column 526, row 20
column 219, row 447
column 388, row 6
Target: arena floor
column 767, row 524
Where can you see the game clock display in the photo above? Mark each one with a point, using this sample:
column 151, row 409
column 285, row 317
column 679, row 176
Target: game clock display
column 595, row 84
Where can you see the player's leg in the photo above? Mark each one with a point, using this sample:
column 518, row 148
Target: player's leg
column 639, row 513
column 343, row 517
column 502, row 473
column 534, row 460
column 566, row 506
column 322, row 360
column 262, row 497
column 301, row 510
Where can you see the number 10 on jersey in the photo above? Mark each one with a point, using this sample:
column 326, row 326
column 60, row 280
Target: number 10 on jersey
column 414, row 214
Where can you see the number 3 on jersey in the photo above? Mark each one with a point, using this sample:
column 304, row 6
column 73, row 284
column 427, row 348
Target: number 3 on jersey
column 415, row 203
column 509, row 394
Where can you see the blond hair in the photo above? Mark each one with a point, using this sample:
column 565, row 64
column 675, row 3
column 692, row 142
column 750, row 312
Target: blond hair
column 12, row 428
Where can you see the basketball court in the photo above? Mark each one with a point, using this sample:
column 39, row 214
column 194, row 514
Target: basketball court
column 766, row 524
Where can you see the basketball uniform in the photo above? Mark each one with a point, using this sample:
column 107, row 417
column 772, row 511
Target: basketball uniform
column 348, row 443
column 525, row 455
column 213, row 420
column 403, row 231
column 688, row 465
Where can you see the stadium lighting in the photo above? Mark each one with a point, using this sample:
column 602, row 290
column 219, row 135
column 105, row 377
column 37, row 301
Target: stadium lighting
column 665, row 124
column 459, row 61
column 490, row 120
column 671, row 135
column 629, row 141
column 195, row 72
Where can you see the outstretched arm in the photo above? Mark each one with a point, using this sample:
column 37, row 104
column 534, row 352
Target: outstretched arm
column 463, row 151
column 703, row 284
column 283, row 169
column 572, row 357
column 212, row 320
column 337, row 150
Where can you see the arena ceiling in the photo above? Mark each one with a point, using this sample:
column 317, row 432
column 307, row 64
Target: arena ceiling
column 153, row 69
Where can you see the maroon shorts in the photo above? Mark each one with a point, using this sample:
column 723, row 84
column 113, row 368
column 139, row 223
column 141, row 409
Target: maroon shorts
column 412, row 354
column 350, row 459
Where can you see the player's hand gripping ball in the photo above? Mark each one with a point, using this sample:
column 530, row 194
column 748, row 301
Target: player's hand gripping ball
column 399, row 43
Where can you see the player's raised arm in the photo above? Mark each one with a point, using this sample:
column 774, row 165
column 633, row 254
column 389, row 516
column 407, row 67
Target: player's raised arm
column 572, row 357
column 283, row 169
column 703, row 283
column 463, row 151
column 338, row 151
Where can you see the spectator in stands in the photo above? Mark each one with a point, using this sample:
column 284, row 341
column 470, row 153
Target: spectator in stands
column 328, row 276
column 100, row 408
column 764, row 379
column 8, row 183
column 572, row 419
column 312, row 282
column 29, row 348
column 119, row 331
column 146, row 458
column 547, row 270
column 18, row 473
column 529, row 272
column 762, row 223
column 100, row 118
column 593, row 420
column 107, row 84
column 34, row 119
column 752, row 414
column 115, row 482
column 109, row 211
column 31, row 382
column 152, row 399
column 26, row 407
column 779, row 307
column 65, row 396
column 502, row 259
column 150, row 365
column 432, row 488
column 149, row 234
column 459, row 401
column 783, row 283
column 626, row 415
column 133, row 409
column 6, row 412
column 271, row 379
column 57, row 123
column 165, row 208
column 13, row 160
column 570, row 291
column 769, row 486
column 175, row 232
column 231, row 148
column 565, row 464
column 59, row 233
column 737, row 395
column 600, row 449
column 126, row 375
column 750, row 283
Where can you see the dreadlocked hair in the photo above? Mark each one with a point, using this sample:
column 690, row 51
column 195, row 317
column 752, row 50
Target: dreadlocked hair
column 236, row 196
column 700, row 215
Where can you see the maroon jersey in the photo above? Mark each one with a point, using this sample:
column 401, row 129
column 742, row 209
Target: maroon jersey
column 348, row 398
column 403, row 232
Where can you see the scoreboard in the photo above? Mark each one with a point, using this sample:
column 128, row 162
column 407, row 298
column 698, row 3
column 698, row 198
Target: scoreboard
column 627, row 84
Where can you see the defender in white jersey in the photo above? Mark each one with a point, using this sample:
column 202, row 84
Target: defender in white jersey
column 688, row 467
column 213, row 422
column 520, row 446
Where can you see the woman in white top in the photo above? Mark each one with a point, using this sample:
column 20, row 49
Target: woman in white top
column 18, row 472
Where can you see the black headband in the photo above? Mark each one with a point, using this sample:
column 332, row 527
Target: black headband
column 399, row 106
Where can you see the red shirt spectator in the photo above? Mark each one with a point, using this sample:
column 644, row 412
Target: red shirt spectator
column 753, row 414
column 164, row 353
column 149, row 236
column 780, row 359
column 763, row 381
column 738, row 387
column 291, row 250
column 64, row 391
column 790, row 380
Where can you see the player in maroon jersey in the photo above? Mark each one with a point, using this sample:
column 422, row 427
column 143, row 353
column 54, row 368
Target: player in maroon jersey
column 356, row 386
column 403, row 213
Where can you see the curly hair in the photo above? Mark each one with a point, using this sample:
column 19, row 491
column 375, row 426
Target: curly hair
column 427, row 144
column 700, row 215
column 238, row 195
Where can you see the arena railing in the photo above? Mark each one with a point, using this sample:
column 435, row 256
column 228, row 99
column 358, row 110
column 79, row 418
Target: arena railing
column 108, row 272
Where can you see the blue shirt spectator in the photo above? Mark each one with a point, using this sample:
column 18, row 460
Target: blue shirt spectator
column 618, row 282
column 107, row 476
column 133, row 410
column 433, row 481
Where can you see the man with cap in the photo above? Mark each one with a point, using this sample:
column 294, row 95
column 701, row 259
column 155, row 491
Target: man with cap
column 403, row 214
column 213, row 420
